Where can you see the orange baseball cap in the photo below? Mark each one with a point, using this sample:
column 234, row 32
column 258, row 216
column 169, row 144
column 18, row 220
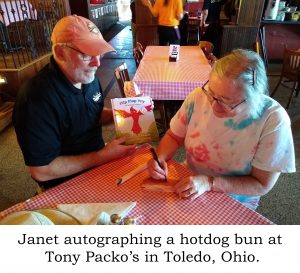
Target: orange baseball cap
column 82, row 33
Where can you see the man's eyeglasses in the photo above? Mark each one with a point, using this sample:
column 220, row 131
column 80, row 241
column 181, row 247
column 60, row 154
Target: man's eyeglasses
column 220, row 102
column 84, row 57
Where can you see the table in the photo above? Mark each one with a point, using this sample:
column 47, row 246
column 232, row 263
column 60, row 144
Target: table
column 99, row 185
column 163, row 80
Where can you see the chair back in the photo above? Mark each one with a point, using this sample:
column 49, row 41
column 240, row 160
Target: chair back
column 139, row 46
column 122, row 75
column 206, row 46
column 291, row 64
column 290, row 73
column 138, row 53
column 193, row 7
column 193, row 31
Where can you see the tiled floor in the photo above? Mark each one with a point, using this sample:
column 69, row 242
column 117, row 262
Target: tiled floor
column 123, row 44
column 17, row 186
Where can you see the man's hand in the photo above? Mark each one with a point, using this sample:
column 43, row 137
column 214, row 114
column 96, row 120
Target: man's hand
column 106, row 116
column 116, row 149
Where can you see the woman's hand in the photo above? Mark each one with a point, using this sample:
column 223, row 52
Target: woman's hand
column 193, row 186
column 157, row 172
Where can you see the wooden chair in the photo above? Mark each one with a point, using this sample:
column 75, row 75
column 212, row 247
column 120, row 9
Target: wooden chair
column 138, row 53
column 207, row 48
column 193, row 31
column 262, row 44
column 212, row 59
column 290, row 73
column 127, row 89
column 193, row 7
column 122, row 75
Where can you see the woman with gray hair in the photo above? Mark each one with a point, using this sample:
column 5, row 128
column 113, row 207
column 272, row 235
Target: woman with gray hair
column 237, row 139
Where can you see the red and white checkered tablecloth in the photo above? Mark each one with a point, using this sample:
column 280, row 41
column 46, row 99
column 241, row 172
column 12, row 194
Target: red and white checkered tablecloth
column 163, row 80
column 99, row 185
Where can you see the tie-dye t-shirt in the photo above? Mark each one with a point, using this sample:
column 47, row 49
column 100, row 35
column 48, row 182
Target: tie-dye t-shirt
column 232, row 145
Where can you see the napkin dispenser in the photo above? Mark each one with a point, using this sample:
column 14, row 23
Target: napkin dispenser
column 174, row 53
column 173, row 58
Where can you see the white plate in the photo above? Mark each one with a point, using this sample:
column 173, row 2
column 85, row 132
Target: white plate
column 26, row 218
column 58, row 217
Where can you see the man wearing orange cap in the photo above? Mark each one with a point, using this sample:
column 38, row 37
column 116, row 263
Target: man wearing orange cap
column 58, row 114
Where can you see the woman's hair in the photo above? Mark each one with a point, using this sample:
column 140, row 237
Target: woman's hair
column 247, row 70
column 166, row 2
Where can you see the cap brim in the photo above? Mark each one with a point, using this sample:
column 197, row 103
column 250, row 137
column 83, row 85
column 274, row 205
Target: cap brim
column 94, row 48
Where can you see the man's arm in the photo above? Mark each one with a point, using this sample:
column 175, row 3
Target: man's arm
column 204, row 17
column 63, row 166
column 106, row 116
column 204, row 12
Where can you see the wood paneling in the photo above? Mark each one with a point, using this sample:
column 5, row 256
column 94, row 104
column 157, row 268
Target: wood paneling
column 244, row 33
column 16, row 77
column 237, row 37
column 147, row 34
column 146, row 25
column 250, row 12
column 143, row 14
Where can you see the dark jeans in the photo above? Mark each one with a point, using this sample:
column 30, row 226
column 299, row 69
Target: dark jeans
column 213, row 34
column 168, row 35
column 183, row 27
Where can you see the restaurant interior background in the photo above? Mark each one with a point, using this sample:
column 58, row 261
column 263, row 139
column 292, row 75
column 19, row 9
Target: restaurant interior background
column 281, row 205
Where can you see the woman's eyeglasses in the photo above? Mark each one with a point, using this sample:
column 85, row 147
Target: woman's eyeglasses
column 220, row 102
column 84, row 57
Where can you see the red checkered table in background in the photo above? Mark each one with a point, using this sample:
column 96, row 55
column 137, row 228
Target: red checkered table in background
column 99, row 185
column 163, row 80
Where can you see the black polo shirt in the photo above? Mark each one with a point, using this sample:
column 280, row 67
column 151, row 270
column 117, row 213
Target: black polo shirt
column 53, row 118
